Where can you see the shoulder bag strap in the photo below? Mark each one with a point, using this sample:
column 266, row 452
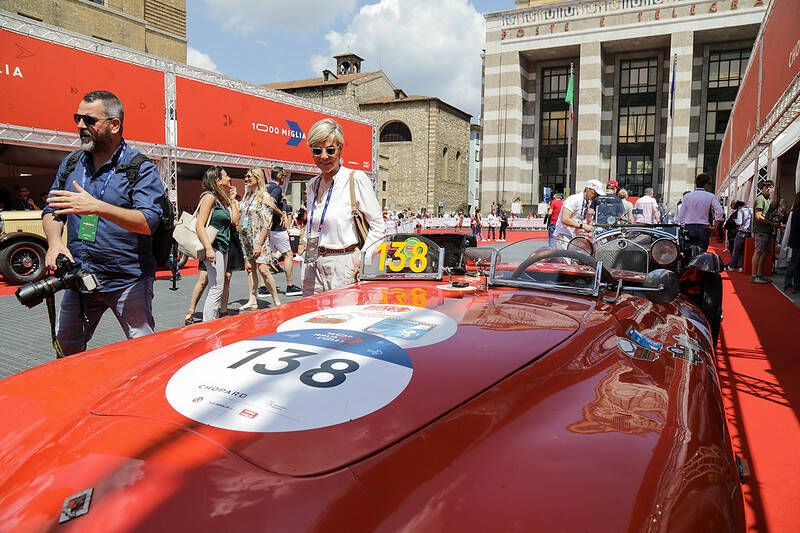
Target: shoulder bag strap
column 353, row 204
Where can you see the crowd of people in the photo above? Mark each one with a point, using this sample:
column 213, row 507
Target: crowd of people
column 110, row 219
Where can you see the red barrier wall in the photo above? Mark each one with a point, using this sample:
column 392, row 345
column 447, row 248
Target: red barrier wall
column 42, row 84
column 245, row 124
column 781, row 52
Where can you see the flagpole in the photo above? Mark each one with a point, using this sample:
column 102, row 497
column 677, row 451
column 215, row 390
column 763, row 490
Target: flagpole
column 671, row 129
column 569, row 99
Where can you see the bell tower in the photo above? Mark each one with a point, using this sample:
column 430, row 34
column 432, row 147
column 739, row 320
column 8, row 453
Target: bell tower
column 348, row 64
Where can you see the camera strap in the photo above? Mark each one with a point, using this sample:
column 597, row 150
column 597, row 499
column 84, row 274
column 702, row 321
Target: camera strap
column 51, row 311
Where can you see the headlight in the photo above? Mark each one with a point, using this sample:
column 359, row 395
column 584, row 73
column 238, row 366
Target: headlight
column 581, row 244
column 664, row 251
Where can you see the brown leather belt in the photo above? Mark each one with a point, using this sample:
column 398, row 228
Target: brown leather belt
column 332, row 251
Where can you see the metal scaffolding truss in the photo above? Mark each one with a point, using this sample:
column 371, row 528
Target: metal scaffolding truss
column 219, row 158
column 61, row 140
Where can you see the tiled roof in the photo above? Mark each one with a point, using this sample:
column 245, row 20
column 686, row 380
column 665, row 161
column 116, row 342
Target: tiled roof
column 316, row 82
column 392, row 99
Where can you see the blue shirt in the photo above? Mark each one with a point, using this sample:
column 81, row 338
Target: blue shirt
column 117, row 257
column 276, row 191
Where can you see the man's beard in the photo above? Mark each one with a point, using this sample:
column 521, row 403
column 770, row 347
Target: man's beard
column 92, row 143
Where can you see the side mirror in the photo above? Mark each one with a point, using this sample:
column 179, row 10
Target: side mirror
column 478, row 257
column 664, row 286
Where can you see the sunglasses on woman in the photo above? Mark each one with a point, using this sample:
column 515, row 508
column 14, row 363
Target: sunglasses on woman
column 88, row 119
column 330, row 150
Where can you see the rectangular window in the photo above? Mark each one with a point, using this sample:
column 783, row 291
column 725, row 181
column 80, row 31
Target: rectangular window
column 725, row 69
column 635, row 172
column 554, row 127
column 553, row 173
column 638, row 76
column 637, row 124
column 554, row 83
column 717, row 115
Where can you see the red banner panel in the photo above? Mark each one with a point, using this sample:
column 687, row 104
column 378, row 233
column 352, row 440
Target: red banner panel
column 42, row 84
column 745, row 116
column 781, row 52
column 722, row 163
column 223, row 120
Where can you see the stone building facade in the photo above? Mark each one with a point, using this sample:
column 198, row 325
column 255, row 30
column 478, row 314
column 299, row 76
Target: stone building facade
column 622, row 54
column 157, row 27
column 423, row 150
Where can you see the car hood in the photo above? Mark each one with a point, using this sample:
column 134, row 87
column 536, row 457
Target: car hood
column 319, row 384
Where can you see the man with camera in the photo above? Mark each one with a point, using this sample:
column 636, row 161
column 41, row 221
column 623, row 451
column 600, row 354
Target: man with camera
column 110, row 219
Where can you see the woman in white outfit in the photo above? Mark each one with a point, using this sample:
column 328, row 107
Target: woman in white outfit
column 330, row 229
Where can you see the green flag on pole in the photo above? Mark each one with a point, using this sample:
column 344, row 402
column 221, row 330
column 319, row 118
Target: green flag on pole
column 568, row 99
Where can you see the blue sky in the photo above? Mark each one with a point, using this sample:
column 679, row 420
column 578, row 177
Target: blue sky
column 428, row 47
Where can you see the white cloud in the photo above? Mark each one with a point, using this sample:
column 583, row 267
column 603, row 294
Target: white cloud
column 300, row 16
column 196, row 58
column 425, row 47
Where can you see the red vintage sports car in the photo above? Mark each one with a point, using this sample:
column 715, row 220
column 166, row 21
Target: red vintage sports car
column 542, row 392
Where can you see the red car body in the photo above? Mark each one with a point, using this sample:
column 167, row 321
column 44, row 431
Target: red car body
column 534, row 414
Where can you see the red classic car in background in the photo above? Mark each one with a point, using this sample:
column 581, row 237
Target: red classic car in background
column 543, row 392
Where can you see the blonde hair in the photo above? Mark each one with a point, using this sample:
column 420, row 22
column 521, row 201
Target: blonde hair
column 622, row 193
column 211, row 183
column 261, row 184
column 323, row 130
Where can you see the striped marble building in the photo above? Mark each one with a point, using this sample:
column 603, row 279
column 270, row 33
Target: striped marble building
column 622, row 54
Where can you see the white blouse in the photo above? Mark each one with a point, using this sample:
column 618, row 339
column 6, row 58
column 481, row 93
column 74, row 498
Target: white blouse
column 338, row 229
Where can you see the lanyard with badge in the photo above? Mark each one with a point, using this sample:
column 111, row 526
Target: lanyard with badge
column 87, row 230
column 246, row 217
column 312, row 241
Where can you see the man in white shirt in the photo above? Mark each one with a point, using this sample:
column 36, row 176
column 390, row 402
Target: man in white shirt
column 574, row 214
column 647, row 208
column 695, row 209
column 744, row 220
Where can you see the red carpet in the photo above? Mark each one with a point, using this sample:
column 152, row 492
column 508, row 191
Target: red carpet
column 760, row 377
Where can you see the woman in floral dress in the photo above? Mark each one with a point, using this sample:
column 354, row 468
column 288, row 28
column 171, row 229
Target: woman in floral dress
column 256, row 219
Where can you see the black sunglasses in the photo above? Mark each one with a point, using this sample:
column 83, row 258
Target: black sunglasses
column 88, row 119
column 330, row 150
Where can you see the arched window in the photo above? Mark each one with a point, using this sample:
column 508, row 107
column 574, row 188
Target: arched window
column 444, row 164
column 458, row 167
column 395, row 132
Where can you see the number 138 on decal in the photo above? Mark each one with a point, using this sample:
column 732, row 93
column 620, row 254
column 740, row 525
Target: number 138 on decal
column 404, row 255
column 330, row 373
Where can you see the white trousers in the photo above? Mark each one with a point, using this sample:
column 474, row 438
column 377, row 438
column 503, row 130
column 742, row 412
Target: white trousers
column 329, row 272
column 216, row 284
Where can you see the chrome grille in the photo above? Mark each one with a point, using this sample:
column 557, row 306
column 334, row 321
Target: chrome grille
column 623, row 254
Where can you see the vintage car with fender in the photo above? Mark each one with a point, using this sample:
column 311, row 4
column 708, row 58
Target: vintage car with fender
column 450, row 389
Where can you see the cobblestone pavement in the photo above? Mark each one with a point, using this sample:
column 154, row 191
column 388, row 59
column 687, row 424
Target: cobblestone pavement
column 25, row 333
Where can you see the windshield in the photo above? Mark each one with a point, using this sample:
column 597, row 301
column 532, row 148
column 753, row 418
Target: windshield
column 402, row 256
column 531, row 263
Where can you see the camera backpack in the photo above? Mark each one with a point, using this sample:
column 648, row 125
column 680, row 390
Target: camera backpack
column 162, row 236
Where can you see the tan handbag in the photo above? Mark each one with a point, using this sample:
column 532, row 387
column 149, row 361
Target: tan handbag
column 362, row 226
column 185, row 234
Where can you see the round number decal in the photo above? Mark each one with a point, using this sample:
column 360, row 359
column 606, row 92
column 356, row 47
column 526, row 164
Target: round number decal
column 291, row 381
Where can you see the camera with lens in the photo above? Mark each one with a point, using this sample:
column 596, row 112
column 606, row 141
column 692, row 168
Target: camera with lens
column 67, row 275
